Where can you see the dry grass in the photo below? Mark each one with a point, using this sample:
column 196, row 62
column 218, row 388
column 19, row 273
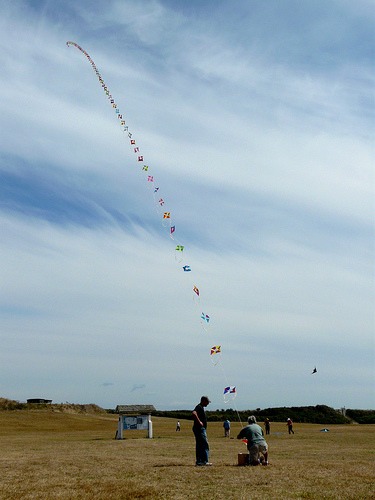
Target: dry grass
column 74, row 456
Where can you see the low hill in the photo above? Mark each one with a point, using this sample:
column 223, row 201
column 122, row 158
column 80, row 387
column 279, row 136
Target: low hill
column 11, row 405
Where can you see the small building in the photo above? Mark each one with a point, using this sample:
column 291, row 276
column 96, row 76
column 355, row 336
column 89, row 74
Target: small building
column 135, row 409
column 39, row 401
column 134, row 417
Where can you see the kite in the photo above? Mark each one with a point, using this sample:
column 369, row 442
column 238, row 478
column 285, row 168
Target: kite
column 186, row 268
column 178, row 252
column 196, row 296
column 314, row 371
column 230, row 393
column 215, row 349
column 205, row 319
column 215, row 354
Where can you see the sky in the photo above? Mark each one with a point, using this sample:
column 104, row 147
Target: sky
column 256, row 120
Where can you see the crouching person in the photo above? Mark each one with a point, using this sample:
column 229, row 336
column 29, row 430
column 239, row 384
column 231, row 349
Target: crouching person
column 256, row 444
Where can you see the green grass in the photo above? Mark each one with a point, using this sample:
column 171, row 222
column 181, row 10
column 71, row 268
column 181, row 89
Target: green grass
column 47, row 454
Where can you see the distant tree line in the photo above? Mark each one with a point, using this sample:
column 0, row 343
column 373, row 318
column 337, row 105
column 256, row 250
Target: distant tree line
column 362, row 416
column 319, row 414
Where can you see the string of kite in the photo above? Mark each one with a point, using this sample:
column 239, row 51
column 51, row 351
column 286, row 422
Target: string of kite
column 166, row 218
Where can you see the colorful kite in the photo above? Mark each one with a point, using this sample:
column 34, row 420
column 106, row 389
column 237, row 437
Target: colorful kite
column 230, row 393
column 215, row 349
column 205, row 319
column 215, row 354
column 179, row 252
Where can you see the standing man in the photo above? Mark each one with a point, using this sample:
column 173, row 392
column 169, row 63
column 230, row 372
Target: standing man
column 289, row 423
column 256, row 443
column 178, row 426
column 202, row 449
column 226, row 426
column 267, row 425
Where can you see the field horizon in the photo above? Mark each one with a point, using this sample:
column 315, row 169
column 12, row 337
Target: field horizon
column 318, row 414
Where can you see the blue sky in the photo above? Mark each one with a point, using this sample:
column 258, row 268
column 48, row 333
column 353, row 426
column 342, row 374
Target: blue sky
column 257, row 121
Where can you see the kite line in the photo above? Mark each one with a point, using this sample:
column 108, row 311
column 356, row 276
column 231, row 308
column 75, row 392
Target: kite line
column 165, row 214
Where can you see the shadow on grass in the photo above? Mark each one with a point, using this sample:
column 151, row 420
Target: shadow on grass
column 173, row 465
column 196, row 467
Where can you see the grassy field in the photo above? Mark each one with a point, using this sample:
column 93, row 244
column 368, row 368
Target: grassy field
column 55, row 455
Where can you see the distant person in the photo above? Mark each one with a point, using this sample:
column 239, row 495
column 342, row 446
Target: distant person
column 267, row 426
column 202, row 449
column 289, row 424
column 226, row 426
column 256, row 444
column 178, row 426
